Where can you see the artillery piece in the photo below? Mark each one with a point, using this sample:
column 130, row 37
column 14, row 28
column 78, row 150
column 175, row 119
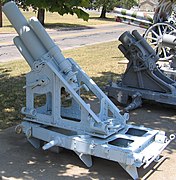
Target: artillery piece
column 76, row 125
column 142, row 79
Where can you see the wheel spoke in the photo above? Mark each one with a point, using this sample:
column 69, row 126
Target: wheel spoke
column 164, row 52
column 152, row 35
column 155, row 33
column 159, row 30
column 153, row 43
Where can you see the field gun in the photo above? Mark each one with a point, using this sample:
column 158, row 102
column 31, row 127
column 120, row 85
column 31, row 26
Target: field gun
column 75, row 125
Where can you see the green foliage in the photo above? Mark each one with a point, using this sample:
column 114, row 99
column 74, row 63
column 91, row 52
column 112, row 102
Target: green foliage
column 127, row 4
column 109, row 4
column 3, row 1
column 60, row 6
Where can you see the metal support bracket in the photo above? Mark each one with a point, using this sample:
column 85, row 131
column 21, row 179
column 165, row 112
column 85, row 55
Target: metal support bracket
column 131, row 170
column 85, row 158
column 35, row 142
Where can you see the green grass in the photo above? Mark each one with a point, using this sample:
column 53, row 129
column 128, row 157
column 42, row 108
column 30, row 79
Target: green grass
column 54, row 20
column 99, row 61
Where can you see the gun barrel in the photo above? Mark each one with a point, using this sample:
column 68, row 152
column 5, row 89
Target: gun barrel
column 33, row 41
column 132, row 17
column 21, row 47
column 12, row 12
column 49, row 44
column 169, row 40
column 134, row 14
column 26, row 34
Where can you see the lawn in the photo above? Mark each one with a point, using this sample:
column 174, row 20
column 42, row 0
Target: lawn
column 99, row 61
column 54, row 20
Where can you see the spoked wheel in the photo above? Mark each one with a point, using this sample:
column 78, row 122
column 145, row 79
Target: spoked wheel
column 154, row 34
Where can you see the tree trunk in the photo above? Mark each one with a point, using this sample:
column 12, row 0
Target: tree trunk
column 41, row 16
column 103, row 12
column 0, row 13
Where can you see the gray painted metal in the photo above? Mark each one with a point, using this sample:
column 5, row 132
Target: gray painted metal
column 63, row 117
column 169, row 41
column 142, row 76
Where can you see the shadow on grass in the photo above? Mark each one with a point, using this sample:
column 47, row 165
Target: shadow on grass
column 106, row 78
column 12, row 98
column 102, row 19
column 8, row 26
column 71, row 27
column 66, row 26
column 62, row 26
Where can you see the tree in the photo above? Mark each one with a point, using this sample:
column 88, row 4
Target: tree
column 127, row 4
column 108, row 5
column 60, row 6
column 41, row 15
